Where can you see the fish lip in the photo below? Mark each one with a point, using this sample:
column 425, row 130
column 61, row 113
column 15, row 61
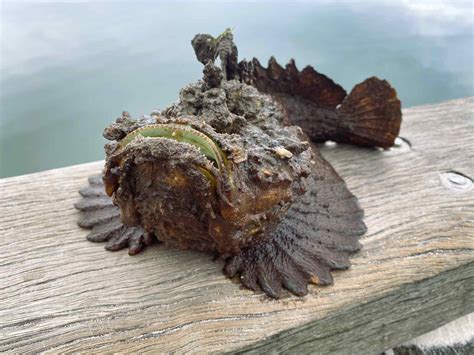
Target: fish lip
column 184, row 133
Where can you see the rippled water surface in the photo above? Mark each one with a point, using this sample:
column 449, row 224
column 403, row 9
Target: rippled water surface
column 69, row 69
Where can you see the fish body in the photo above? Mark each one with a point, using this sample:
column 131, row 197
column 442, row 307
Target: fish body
column 231, row 168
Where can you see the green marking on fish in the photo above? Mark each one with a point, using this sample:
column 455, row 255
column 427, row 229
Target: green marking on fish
column 181, row 133
column 186, row 134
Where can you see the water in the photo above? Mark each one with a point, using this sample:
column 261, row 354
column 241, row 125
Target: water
column 69, row 69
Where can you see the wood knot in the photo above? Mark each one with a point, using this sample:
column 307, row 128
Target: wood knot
column 456, row 181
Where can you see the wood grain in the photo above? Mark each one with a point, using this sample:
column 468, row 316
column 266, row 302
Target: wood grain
column 61, row 293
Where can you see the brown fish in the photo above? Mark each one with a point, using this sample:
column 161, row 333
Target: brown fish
column 230, row 169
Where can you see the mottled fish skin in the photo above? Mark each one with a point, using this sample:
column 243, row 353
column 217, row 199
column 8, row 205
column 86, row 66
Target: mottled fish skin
column 369, row 116
column 218, row 191
column 242, row 178
column 320, row 232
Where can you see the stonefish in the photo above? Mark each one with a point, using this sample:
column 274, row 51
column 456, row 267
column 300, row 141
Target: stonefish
column 231, row 168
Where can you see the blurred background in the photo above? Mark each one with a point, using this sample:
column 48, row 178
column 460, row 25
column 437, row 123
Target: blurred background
column 68, row 69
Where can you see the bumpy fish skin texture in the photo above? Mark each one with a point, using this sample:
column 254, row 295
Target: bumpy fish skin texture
column 369, row 116
column 226, row 170
column 156, row 183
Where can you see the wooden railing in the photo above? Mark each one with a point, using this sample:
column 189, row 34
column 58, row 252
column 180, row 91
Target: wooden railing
column 415, row 272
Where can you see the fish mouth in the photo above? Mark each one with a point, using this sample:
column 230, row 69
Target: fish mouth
column 220, row 178
column 185, row 134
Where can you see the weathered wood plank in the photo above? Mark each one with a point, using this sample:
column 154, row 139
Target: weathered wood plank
column 416, row 271
column 454, row 338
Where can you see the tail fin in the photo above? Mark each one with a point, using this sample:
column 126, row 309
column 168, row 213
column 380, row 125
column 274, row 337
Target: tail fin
column 371, row 114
